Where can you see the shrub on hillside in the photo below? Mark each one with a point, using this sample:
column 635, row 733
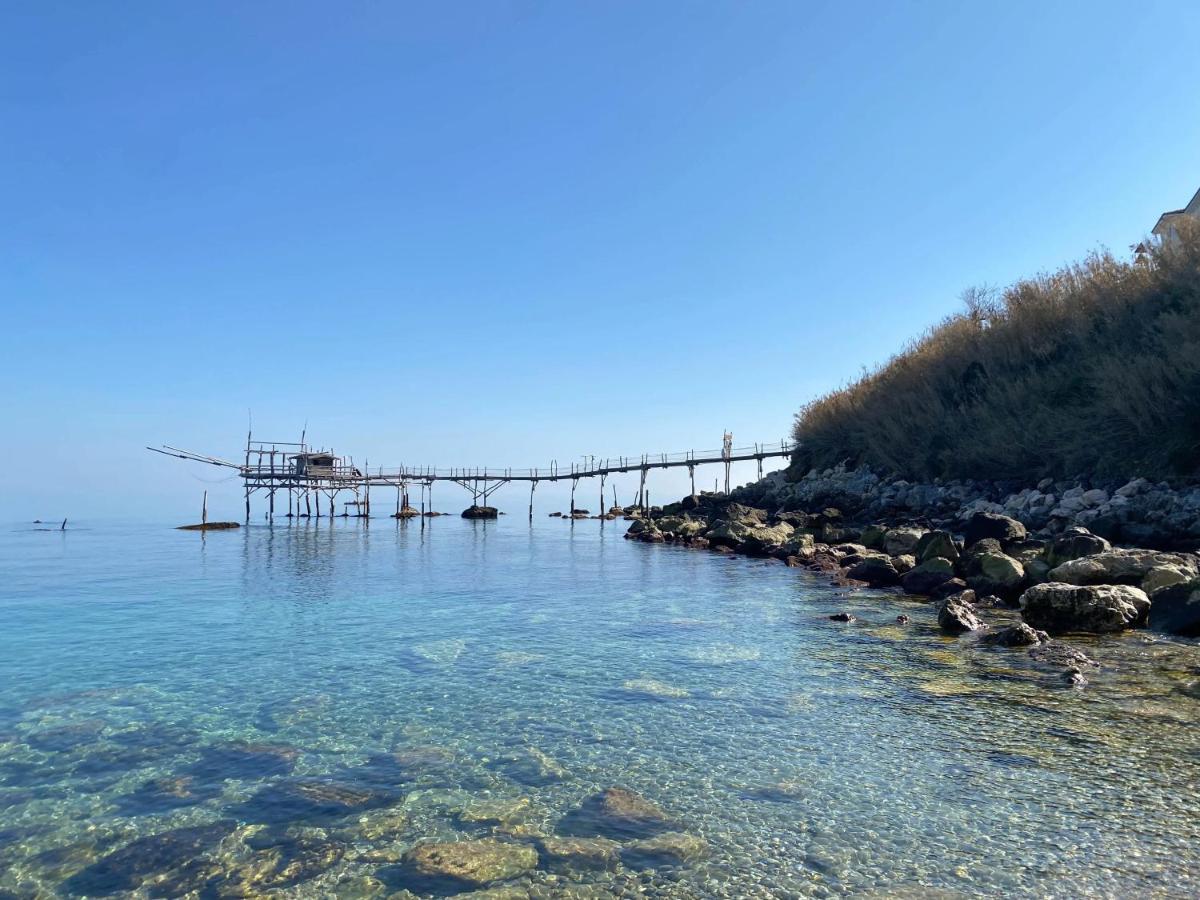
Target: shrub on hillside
column 1094, row 369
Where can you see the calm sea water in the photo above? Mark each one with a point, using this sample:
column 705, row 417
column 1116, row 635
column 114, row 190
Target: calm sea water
column 482, row 679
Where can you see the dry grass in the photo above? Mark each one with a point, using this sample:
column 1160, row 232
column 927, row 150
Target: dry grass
column 1094, row 369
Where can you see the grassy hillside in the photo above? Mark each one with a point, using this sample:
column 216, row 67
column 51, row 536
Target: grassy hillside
column 1094, row 369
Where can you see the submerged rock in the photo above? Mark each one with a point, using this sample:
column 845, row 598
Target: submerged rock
column 1019, row 635
column 1058, row 653
column 658, row 690
column 530, row 766
column 1057, row 607
column 843, row 617
column 280, row 861
column 580, row 852
column 244, row 759
column 468, row 864
column 496, row 811
column 313, row 800
column 145, row 857
column 672, row 848
column 617, row 813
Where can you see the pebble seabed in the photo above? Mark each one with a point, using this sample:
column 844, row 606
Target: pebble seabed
column 289, row 712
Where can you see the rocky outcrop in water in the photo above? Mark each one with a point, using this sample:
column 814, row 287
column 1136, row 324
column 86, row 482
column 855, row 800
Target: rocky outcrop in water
column 1059, row 608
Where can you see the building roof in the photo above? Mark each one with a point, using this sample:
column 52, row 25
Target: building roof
column 1192, row 209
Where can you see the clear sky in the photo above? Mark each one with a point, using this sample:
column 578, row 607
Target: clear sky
column 504, row 232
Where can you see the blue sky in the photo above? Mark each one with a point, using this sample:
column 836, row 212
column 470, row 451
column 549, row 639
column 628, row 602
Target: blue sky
column 508, row 232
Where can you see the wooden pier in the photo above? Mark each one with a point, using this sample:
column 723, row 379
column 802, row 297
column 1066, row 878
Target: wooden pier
column 311, row 479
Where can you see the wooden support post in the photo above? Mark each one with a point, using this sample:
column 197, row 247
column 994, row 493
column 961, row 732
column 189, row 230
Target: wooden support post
column 308, row 504
column 532, row 488
column 601, row 510
column 332, row 508
column 692, row 474
column 574, row 484
column 271, row 505
column 397, row 501
column 203, row 510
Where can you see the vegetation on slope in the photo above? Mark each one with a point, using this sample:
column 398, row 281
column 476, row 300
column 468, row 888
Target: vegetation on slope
column 1092, row 370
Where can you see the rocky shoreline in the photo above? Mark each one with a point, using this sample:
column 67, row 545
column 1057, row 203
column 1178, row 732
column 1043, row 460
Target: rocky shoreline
column 1053, row 552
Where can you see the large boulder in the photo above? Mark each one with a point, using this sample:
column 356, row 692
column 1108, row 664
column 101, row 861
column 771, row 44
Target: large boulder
column 480, row 512
column 1123, row 567
column 1057, row 607
column 992, row 525
column 899, row 541
column 995, row 573
column 877, row 571
column 1074, row 543
column 936, row 544
column 956, row 614
column 928, row 576
column 764, row 539
column 949, row 588
column 1176, row 609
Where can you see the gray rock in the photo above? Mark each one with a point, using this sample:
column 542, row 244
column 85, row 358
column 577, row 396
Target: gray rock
column 1120, row 567
column 935, row 544
column 1059, row 654
column 956, row 615
column 1074, row 543
column 1176, row 609
column 898, row 541
column 928, row 576
column 1057, row 607
column 992, row 525
column 877, row 571
column 1019, row 635
column 994, row 573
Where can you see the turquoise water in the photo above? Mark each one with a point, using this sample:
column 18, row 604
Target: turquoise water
column 480, row 679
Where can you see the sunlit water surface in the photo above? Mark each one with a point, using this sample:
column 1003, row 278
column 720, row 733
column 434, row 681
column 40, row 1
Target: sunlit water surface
column 482, row 679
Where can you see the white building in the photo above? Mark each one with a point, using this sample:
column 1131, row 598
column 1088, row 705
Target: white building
column 1166, row 229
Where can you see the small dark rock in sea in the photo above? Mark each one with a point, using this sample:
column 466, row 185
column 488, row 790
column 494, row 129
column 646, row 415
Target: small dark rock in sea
column 902, row 619
column 127, row 868
column 1019, row 635
column 1074, row 677
column 618, row 813
column 843, row 617
column 956, row 614
column 529, row 766
column 480, row 512
column 1059, row 654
